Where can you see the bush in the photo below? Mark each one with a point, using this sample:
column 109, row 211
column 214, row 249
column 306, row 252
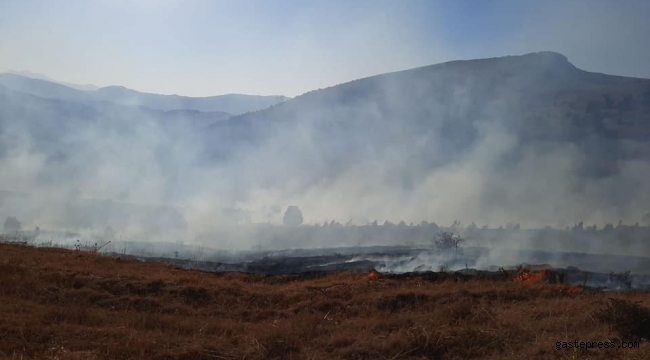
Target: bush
column 631, row 320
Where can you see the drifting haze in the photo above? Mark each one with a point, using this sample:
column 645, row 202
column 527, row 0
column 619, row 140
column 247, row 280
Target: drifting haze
column 491, row 141
column 527, row 139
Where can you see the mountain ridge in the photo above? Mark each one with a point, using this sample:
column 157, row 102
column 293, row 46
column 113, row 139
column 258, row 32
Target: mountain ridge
column 547, row 58
column 29, row 74
column 229, row 103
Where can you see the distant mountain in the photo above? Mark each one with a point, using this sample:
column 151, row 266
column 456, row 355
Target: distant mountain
column 230, row 103
column 44, row 88
column 60, row 129
column 29, row 74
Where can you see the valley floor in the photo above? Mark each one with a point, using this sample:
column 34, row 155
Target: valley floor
column 63, row 304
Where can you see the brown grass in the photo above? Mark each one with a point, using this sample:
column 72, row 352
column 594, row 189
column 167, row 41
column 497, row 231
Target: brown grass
column 61, row 304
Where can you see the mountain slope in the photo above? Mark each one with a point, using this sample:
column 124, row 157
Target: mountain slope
column 519, row 137
column 574, row 101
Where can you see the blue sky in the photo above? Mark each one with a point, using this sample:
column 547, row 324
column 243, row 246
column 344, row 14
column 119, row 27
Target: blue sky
column 213, row 47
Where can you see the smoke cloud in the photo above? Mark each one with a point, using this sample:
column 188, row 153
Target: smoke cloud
column 471, row 141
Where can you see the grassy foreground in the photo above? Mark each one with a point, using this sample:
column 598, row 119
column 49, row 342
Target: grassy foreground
column 62, row 304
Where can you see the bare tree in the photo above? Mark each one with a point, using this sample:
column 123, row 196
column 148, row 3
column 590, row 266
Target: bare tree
column 446, row 241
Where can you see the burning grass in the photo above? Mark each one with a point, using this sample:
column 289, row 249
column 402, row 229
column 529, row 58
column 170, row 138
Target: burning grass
column 60, row 304
column 534, row 277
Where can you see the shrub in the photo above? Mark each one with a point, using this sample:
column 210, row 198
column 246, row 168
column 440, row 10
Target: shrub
column 631, row 320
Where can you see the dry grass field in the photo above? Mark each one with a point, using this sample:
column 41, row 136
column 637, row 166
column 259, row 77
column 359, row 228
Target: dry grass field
column 63, row 304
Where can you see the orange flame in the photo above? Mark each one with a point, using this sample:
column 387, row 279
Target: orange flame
column 570, row 290
column 531, row 277
column 373, row 275
column 545, row 275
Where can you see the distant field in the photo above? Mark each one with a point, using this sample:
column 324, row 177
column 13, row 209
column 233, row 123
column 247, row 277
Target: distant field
column 64, row 304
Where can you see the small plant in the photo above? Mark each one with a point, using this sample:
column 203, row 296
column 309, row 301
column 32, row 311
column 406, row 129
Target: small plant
column 46, row 243
column 575, row 355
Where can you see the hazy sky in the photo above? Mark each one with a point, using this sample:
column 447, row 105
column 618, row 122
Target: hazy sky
column 213, row 47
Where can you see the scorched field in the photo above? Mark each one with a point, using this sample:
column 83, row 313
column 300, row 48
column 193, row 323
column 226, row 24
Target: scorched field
column 65, row 304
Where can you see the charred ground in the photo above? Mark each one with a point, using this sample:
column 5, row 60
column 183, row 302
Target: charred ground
column 65, row 304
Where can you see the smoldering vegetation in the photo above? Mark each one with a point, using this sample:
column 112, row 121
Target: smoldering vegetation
column 431, row 253
column 527, row 140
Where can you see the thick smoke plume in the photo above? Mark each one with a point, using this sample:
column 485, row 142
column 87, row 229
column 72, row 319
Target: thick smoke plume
column 495, row 141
